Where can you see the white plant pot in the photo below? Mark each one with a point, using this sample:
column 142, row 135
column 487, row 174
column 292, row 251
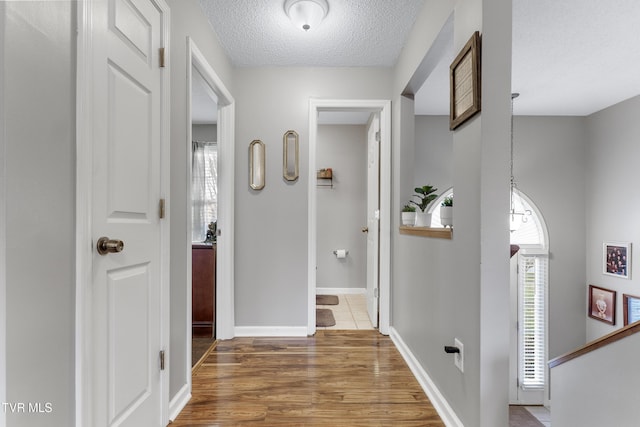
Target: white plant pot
column 446, row 216
column 408, row 218
column 423, row 219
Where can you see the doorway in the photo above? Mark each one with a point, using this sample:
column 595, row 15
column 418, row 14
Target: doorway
column 210, row 116
column 204, row 214
column 347, row 201
column 377, row 111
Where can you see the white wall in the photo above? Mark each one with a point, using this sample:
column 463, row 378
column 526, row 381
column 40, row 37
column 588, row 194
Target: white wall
column 612, row 200
column 342, row 210
column 271, row 224
column 186, row 20
column 39, row 103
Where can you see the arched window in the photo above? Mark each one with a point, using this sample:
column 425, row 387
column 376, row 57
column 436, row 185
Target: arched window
column 529, row 232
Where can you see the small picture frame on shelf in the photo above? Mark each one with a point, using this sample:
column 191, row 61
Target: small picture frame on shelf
column 616, row 259
column 631, row 305
column 602, row 304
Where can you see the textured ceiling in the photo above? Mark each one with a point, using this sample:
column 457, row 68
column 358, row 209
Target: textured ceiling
column 570, row 57
column 355, row 33
column 574, row 57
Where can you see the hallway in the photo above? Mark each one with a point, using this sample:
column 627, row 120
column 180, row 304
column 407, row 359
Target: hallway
column 348, row 378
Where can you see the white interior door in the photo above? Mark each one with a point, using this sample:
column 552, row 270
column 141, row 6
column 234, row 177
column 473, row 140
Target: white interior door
column 127, row 290
column 373, row 217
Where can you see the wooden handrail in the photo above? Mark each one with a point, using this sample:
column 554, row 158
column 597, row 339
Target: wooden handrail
column 596, row 344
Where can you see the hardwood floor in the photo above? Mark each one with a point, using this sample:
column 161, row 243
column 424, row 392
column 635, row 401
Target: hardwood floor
column 337, row 378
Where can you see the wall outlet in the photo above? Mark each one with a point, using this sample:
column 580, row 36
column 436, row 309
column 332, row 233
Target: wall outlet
column 458, row 358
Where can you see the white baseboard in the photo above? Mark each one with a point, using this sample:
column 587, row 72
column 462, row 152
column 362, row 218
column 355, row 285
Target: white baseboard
column 178, row 402
column 342, row 291
column 271, row 331
column 438, row 401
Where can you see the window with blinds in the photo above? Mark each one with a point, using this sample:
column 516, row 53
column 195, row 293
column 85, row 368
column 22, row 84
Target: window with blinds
column 532, row 279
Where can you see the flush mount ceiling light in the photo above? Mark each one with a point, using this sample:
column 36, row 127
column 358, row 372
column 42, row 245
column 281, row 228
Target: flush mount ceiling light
column 306, row 14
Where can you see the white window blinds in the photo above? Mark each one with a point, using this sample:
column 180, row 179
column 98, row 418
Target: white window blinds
column 204, row 188
column 532, row 277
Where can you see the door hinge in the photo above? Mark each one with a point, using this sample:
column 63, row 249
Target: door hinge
column 161, row 208
column 378, row 136
column 162, row 360
column 162, row 59
column 375, row 292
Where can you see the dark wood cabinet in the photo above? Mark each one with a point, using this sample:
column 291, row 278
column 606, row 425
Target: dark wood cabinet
column 203, row 290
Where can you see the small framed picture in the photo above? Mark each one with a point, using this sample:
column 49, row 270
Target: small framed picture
column 464, row 83
column 602, row 304
column 631, row 305
column 616, row 259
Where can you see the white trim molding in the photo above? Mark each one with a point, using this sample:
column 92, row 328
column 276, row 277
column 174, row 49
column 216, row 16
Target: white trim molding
column 341, row 291
column 179, row 401
column 438, row 401
column 271, row 331
column 384, row 108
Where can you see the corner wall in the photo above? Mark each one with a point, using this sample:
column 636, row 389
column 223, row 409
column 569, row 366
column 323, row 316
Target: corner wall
column 439, row 301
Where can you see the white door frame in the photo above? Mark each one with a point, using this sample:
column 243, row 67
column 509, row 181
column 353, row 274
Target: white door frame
column 84, row 183
column 225, row 317
column 384, row 108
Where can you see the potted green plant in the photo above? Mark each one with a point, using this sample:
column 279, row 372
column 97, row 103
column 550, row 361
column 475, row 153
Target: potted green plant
column 425, row 195
column 446, row 211
column 408, row 215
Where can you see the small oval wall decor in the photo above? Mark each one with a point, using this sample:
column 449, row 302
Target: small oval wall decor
column 256, row 165
column 290, row 155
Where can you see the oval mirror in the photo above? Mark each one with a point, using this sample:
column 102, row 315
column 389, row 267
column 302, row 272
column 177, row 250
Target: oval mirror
column 256, row 164
column 290, row 155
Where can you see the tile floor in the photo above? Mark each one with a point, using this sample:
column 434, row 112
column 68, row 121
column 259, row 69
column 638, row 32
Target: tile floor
column 541, row 413
column 350, row 313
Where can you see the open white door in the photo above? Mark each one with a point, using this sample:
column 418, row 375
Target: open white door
column 126, row 93
column 373, row 217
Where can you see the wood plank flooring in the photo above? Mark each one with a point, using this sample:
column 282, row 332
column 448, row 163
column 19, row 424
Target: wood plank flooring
column 336, row 378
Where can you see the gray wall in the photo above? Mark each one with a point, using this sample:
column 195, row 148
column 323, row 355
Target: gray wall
column 39, row 102
column 549, row 166
column 433, row 154
column 204, row 133
column 342, row 210
column 612, row 200
column 434, row 299
column 271, row 224
column 186, row 20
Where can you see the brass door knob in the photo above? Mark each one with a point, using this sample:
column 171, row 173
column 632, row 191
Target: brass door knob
column 109, row 246
column 365, row 229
